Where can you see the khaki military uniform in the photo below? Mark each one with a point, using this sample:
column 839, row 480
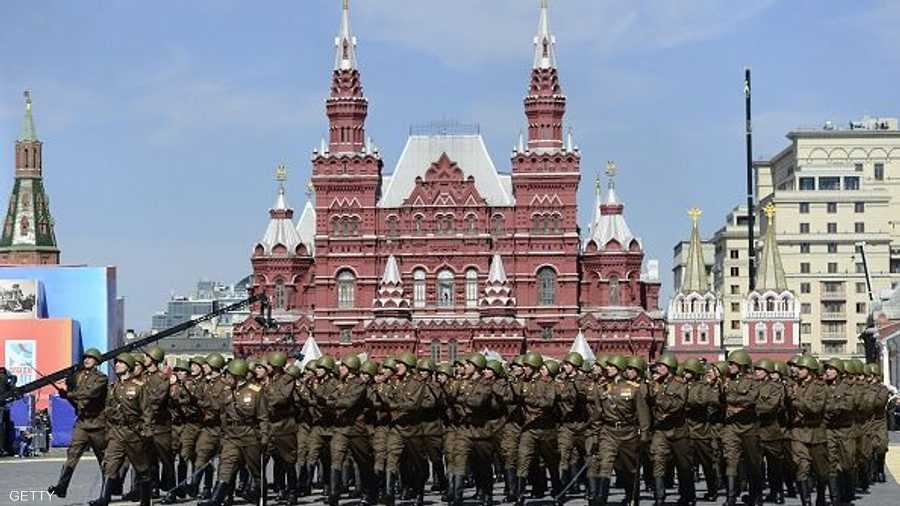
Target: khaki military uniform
column 245, row 431
column 320, row 433
column 281, row 399
column 806, row 407
column 406, row 401
column 210, row 393
column 574, row 421
column 351, row 436
column 129, row 427
column 156, row 386
column 702, row 404
column 740, row 430
column 670, row 441
column 186, row 418
column 88, row 397
column 538, row 400
column 624, row 424
column 839, row 419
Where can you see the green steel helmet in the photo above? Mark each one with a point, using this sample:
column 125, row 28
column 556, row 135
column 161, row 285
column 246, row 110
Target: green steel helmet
column 182, row 365
column 574, row 358
column 693, row 366
column 533, row 359
column 425, row 364
column 866, row 370
column 808, row 362
column 601, row 361
column 874, row 369
column 722, row 366
column 92, row 352
column 238, row 368
column 326, row 362
column 251, row 364
column 156, row 354
column 637, row 363
column 587, row 367
column 552, row 367
column 478, row 360
column 444, row 368
column 390, row 363
column 856, row 366
column 668, row 360
column 496, row 366
column 293, row 371
column 351, row 362
column 198, row 359
column 215, row 360
column 795, row 360
column 277, row 359
column 781, row 368
column 834, row 363
column 617, row 361
column 765, row 364
column 407, row 358
column 740, row 357
column 127, row 359
column 311, row 365
column 369, row 367
column 519, row 361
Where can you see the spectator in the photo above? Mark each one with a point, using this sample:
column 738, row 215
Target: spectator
column 7, row 384
column 24, row 443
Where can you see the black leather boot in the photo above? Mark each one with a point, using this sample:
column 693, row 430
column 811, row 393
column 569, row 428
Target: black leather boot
column 732, row 492
column 820, row 492
column 659, row 492
column 520, row 490
column 790, row 489
column 834, row 491
column 105, row 494
column 389, row 481
column 803, row 492
column 602, row 491
column 62, row 485
column 217, row 497
column 334, row 492
column 290, row 494
column 487, row 496
column 145, row 489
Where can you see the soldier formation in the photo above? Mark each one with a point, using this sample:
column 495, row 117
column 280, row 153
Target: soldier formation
column 382, row 431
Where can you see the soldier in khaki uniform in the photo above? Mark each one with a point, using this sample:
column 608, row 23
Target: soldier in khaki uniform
column 245, row 432
column 668, row 402
column 624, row 426
column 839, row 417
column 703, row 400
column 378, row 392
column 304, row 426
column 432, row 425
column 211, row 390
column 859, row 476
column 186, row 417
column 281, row 399
column 322, row 430
column 769, row 409
column 351, row 436
column 806, row 407
column 740, row 394
column 572, row 385
column 877, row 423
column 537, row 396
column 86, row 391
column 129, row 427
column 157, row 397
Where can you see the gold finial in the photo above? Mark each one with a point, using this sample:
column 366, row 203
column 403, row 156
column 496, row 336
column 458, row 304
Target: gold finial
column 770, row 210
column 611, row 168
column 27, row 94
column 695, row 214
column 281, row 173
column 346, row 5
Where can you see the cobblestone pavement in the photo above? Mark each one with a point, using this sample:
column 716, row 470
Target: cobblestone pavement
column 26, row 481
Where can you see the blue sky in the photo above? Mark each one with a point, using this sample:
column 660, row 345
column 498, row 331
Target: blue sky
column 163, row 121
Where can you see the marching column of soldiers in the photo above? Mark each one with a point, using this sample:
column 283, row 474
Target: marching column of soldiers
column 381, row 432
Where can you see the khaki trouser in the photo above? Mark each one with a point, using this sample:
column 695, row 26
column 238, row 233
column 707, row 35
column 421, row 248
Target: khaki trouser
column 83, row 439
column 125, row 442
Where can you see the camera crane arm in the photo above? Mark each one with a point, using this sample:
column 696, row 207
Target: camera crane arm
column 62, row 374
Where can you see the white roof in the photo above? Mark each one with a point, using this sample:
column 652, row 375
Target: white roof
column 611, row 225
column 580, row 345
column 280, row 230
column 544, row 58
column 345, row 43
column 391, row 272
column 497, row 273
column 306, row 227
column 310, row 351
column 470, row 154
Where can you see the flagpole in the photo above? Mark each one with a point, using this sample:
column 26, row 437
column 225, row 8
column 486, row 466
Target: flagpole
column 748, row 129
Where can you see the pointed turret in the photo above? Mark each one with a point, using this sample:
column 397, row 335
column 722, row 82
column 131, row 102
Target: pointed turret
column 347, row 106
column 28, row 236
column 695, row 267
column 281, row 237
column 608, row 228
column 306, row 226
column 391, row 297
column 770, row 275
column 545, row 104
column 497, row 299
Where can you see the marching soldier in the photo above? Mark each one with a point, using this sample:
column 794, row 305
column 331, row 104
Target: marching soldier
column 304, row 427
column 209, row 393
column 668, row 400
column 703, row 401
column 839, row 415
column 740, row 394
column 186, row 419
column 281, row 399
column 573, row 405
column 806, row 408
column 157, row 397
column 319, row 446
column 86, row 391
column 351, row 436
column 432, row 434
column 129, row 425
column 769, row 409
column 877, row 423
column 245, row 432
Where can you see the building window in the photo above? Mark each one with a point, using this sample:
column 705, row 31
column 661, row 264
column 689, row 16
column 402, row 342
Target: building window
column 879, row 172
column 471, row 224
column 806, row 308
column 807, row 183
column 804, row 267
column 832, row 267
column 735, row 254
column 445, row 288
column 346, row 336
column 860, row 268
column 547, row 333
column 471, row 288
column 805, row 288
column 804, row 228
column 497, row 224
column 703, row 331
column 778, row 330
column 760, row 333
column 615, row 297
column 858, row 167
column 537, row 224
column 831, row 207
column 346, row 285
column 279, row 294
column 832, row 247
column 859, row 227
column 804, row 247
column 452, row 351
column 735, row 290
column 861, row 288
column 833, row 348
column 832, row 228
column 830, row 183
column 735, row 324
column 806, row 328
column 851, row 183
column 735, row 272
column 546, row 278
column 861, row 308
column 393, row 226
column 859, row 207
column 419, row 223
column 687, row 334
column 436, row 352
column 419, row 288
column 804, row 208
column 735, row 307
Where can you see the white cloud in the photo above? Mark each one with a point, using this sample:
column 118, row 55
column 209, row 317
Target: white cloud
column 467, row 33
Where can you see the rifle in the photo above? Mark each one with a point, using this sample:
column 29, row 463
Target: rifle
column 61, row 374
column 574, row 479
column 263, row 484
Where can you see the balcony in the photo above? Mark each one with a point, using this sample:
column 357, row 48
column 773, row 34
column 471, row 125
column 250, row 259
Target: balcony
column 834, row 295
column 834, row 336
column 834, row 315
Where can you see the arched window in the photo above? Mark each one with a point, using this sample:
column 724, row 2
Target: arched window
column 436, row 351
column 470, row 224
column 615, row 299
column 471, row 288
column 497, row 224
column 760, row 332
column 687, row 333
column 346, row 285
column 445, row 288
column 419, row 223
column 393, row 226
column 703, row 333
column 279, row 294
column 546, row 278
column 419, row 288
column 778, row 330
column 452, row 350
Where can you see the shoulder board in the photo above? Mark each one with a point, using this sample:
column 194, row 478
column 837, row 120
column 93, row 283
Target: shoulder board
column 138, row 382
column 633, row 383
column 255, row 387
